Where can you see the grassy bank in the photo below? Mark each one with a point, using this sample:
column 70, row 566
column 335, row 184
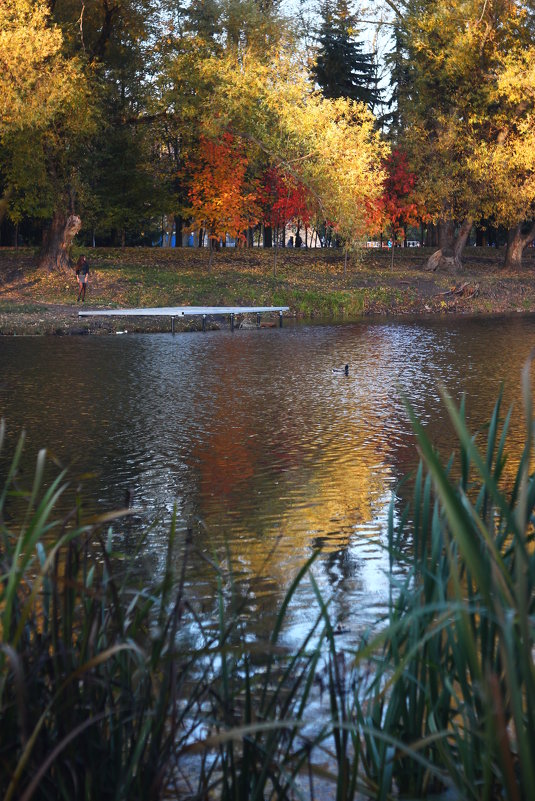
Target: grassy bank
column 114, row 688
column 311, row 283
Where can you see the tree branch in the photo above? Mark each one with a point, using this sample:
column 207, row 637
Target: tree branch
column 286, row 165
column 106, row 30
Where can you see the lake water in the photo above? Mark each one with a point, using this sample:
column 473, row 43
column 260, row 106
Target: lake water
column 265, row 453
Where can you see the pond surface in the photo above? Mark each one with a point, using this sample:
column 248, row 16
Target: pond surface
column 266, row 454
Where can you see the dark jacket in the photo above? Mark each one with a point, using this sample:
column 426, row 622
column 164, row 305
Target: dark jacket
column 82, row 266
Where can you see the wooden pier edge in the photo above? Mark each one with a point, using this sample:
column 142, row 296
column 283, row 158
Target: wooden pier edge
column 188, row 311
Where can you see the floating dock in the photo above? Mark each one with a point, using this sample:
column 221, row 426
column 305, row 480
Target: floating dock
column 188, row 311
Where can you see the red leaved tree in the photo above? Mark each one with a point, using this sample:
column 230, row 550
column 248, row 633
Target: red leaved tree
column 283, row 199
column 397, row 206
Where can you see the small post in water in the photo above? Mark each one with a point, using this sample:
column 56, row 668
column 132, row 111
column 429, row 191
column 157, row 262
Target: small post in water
column 173, row 325
column 280, row 319
column 232, row 322
column 258, row 319
column 204, row 322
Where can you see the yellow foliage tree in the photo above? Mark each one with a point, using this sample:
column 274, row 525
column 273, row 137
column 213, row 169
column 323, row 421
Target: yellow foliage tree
column 508, row 160
column 455, row 56
column 332, row 147
column 36, row 81
column 45, row 109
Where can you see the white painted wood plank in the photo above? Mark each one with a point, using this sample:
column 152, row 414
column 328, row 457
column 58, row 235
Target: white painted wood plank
column 180, row 311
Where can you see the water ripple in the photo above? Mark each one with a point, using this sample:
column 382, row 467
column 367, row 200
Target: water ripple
column 260, row 447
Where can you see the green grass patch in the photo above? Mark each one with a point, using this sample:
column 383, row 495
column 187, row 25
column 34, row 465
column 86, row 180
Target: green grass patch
column 9, row 307
column 313, row 283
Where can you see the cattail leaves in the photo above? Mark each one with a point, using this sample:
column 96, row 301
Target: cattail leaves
column 481, row 574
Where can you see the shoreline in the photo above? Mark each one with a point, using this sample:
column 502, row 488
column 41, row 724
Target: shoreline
column 65, row 322
column 312, row 284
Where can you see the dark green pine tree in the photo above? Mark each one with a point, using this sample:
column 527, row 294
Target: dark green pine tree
column 341, row 69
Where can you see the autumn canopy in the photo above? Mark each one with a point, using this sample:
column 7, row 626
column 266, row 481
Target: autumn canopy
column 130, row 122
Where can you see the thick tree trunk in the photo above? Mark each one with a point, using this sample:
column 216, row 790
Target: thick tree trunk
column 516, row 242
column 57, row 242
column 450, row 246
column 268, row 236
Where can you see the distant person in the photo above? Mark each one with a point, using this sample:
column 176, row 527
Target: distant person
column 290, row 242
column 298, row 241
column 82, row 274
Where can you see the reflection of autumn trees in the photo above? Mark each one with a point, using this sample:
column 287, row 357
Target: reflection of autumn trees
column 313, row 465
column 265, row 476
column 253, row 435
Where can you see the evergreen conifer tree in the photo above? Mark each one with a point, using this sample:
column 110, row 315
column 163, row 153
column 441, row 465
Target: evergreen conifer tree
column 341, row 69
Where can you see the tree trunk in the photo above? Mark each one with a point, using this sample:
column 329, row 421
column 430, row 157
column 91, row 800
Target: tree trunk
column 57, row 242
column 431, row 240
column 450, row 246
column 4, row 205
column 516, row 242
column 178, row 230
column 268, row 236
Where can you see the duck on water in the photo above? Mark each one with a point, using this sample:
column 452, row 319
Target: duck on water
column 344, row 370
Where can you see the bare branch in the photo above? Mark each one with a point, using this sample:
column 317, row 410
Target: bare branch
column 81, row 24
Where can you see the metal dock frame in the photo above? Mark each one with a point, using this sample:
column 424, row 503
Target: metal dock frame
column 188, row 311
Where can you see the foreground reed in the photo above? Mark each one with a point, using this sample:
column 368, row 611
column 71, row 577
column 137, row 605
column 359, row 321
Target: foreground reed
column 102, row 695
column 453, row 704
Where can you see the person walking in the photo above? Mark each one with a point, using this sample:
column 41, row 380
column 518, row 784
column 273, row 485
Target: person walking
column 82, row 274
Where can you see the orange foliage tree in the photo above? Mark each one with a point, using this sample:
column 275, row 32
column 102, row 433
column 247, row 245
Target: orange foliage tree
column 222, row 195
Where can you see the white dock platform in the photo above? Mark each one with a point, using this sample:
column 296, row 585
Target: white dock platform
column 181, row 311
column 187, row 311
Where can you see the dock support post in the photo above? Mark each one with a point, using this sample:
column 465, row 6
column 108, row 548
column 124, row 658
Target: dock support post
column 173, row 325
column 280, row 319
column 204, row 322
column 232, row 322
column 258, row 320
